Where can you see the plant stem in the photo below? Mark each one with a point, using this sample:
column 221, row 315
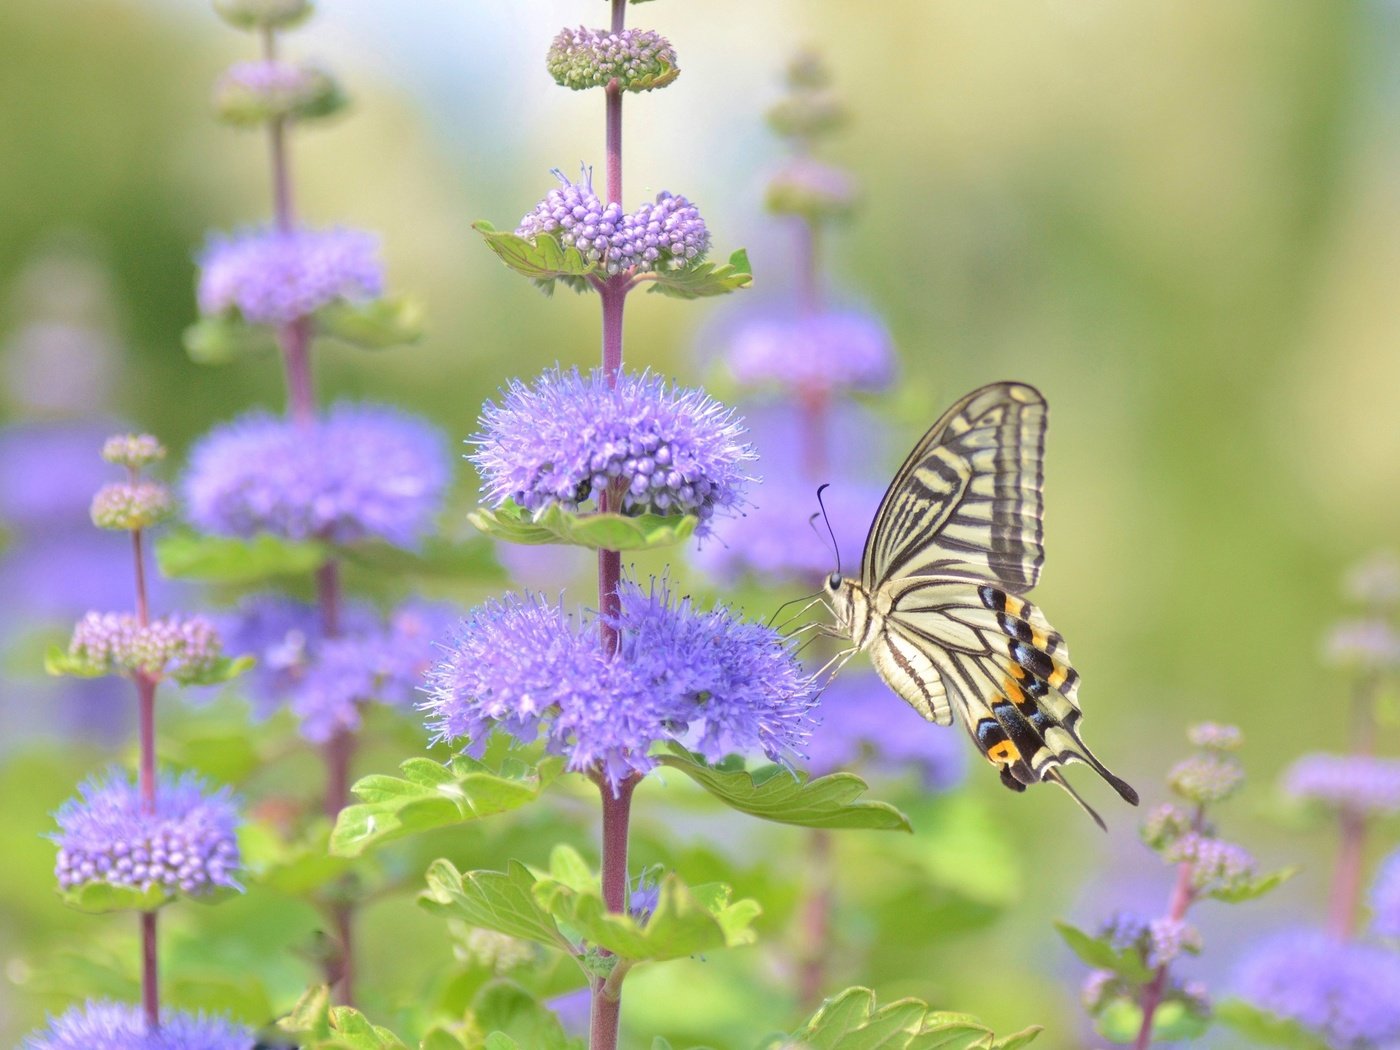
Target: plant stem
column 146, row 784
column 1181, row 900
column 617, row 810
column 150, row 972
column 816, row 919
column 809, row 280
column 1344, row 902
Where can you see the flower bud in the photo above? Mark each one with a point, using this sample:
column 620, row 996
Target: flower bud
column 126, row 506
column 263, row 14
column 117, row 643
column 252, row 93
column 811, row 189
column 132, row 450
column 1164, row 825
column 1209, row 777
column 1213, row 736
column 638, row 59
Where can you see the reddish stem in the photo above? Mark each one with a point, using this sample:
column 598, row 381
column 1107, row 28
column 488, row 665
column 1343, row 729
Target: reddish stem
column 1347, row 875
column 815, row 409
column 1181, row 900
column 617, row 810
column 809, row 280
column 816, row 919
column 612, row 96
column 150, row 978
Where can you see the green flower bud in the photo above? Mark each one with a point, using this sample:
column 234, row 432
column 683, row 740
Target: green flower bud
column 125, row 506
column 252, row 93
column 263, row 14
column 132, row 450
column 1210, row 777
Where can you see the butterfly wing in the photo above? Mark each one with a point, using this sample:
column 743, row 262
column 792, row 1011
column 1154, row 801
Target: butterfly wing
column 968, row 498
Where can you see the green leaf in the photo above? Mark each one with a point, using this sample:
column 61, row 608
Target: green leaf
column 1100, row 954
column 431, row 795
column 853, row 1020
column 1260, row 1026
column 99, row 897
column 503, row 901
column 617, row 532
column 1121, row 1020
column 775, row 794
column 310, row 1017
column 374, row 325
column 1016, row 1040
column 220, row 559
column 438, row 559
column 60, row 663
column 226, row 338
column 1255, row 887
column 685, row 921
column 217, row 672
column 703, row 280
column 505, row 1008
column 544, row 259
column 298, row 867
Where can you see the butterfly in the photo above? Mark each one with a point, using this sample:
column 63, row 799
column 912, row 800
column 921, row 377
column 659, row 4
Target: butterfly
column 954, row 547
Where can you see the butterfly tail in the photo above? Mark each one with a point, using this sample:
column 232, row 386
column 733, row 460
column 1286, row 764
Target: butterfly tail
column 1055, row 777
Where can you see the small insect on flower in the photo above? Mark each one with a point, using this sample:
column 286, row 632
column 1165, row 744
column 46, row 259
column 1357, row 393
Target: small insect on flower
column 104, row 1025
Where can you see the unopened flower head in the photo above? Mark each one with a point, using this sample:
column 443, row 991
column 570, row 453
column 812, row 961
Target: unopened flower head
column 129, row 505
column 263, row 14
column 1367, row 646
column 668, row 234
column 252, row 93
column 1208, row 777
column 822, row 354
column 1216, row 865
column 718, row 684
column 188, row 845
column 183, row 648
column 132, row 450
column 1375, row 583
column 1167, row 939
column 1164, row 825
column 1215, row 736
column 104, row 1025
column 1385, row 899
column 809, row 188
column 638, row 59
column 274, row 277
column 1342, row 990
column 360, row 472
column 1357, row 783
column 568, row 438
column 1124, row 930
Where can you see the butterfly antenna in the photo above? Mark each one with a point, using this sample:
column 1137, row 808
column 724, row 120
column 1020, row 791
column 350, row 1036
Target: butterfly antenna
column 787, row 605
column 1059, row 778
column 829, row 530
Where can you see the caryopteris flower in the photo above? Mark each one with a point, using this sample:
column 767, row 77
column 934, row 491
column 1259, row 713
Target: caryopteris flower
column 361, row 472
column 1164, row 825
column 1358, row 783
column 1207, row 777
column 274, row 277
column 809, row 188
column 822, row 354
column 183, row 648
column 666, row 235
column 1216, row 865
column 189, row 844
column 128, row 505
column 103, row 1025
column 263, row 14
column 132, row 450
column 1214, row 736
column 1342, row 990
column 569, row 437
column 638, row 59
column 251, row 93
column 715, row 683
column 1385, row 899
column 1364, row 645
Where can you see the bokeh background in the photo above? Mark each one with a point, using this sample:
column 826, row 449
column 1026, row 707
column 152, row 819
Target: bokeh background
column 1181, row 222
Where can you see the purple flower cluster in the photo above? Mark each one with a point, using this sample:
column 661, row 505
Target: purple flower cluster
column 668, row 234
column 128, row 505
column 1158, row 942
column 709, row 680
column 1207, row 777
column 326, row 681
column 132, row 450
column 1216, row 865
column 638, row 59
column 117, row 643
column 1359, row 783
column 274, row 277
column 1343, row 990
column 860, row 720
column 102, row 1025
column 1366, row 645
column 189, row 844
column 838, row 350
column 568, row 438
column 361, row 472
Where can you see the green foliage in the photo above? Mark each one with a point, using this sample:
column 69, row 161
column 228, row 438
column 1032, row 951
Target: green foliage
column 703, row 280
column 509, row 1012
column 503, row 901
column 852, row 1020
column 774, row 793
column 99, row 897
column 59, row 662
column 229, row 560
column 297, row 867
column 431, row 795
column 1259, row 1026
column 374, row 325
column 1121, row 1020
column 1099, row 953
column 618, row 532
column 224, row 339
column 1252, row 888
column 543, row 260
column 320, row 1026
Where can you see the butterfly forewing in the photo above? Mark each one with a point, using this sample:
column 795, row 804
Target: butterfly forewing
column 968, row 498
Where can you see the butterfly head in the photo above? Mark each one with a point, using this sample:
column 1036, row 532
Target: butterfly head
column 848, row 605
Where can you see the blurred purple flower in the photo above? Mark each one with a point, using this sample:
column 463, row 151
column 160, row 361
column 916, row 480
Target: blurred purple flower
column 189, row 844
column 830, row 352
column 1385, row 899
column 861, row 720
column 361, row 472
column 272, row 277
column 537, row 567
column 48, row 473
column 1365, row 645
column 1343, row 990
column 567, row 437
column 1353, row 782
column 707, row 679
column 1375, row 583
column 102, row 1025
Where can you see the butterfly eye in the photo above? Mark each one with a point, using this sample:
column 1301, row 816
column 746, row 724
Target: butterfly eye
column 833, row 582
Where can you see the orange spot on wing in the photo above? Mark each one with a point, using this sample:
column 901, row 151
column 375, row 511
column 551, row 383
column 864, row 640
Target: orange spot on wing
column 1058, row 676
column 1004, row 754
column 1014, row 692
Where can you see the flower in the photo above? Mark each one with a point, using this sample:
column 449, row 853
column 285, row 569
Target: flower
column 1385, row 899
column 184, row 648
column 1208, row 777
column 188, row 844
column 326, row 681
column 718, row 684
column 1366, row 645
column 818, row 354
column 1216, row 865
column 1164, row 825
column 1344, row 991
column 1215, row 736
column 862, row 719
column 1351, row 782
column 263, row 14
column 103, row 1025
column 128, row 505
column 1167, row 939
column 360, row 472
column 1375, row 583
column 666, row 235
column 812, row 189
column 132, row 450
column 276, row 277
column 638, row 59
column 251, row 93
column 568, row 437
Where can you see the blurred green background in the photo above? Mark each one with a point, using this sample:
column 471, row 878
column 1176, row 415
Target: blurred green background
column 1181, row 222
